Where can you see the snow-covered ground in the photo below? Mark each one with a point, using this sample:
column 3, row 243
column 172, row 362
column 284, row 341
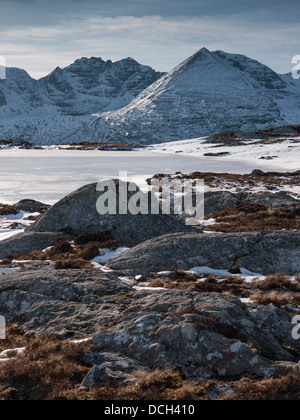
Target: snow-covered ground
column 48, row 175
column 19, row 220
column 283, row 156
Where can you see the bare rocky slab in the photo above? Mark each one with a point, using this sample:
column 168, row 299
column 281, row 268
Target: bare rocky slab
column 259, row 252
column 205, row 335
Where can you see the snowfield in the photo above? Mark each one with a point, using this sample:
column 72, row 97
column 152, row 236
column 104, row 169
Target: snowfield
column 283, row 156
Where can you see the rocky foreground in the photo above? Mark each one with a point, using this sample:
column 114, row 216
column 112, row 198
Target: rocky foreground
column 151, row 312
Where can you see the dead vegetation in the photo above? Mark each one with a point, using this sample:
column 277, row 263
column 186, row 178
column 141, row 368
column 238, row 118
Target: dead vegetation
column 51, row 369
column 6, row 210
column 285, row 388
column 279, row 290
column 278, row 282
column 124, row 147
column 231, row 285
column 280, row 300
column 270, row 181
column 256, row 217
column 46, row 368
column 68, row 255
column 15, row 337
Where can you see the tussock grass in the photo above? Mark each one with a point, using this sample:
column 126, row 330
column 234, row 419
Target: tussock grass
column 256, row 217
column 284, row 388
column 6, row 209
column 46, row 368
column 68, row 256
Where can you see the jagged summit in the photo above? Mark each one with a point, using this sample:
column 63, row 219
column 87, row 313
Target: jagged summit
column 98, row 100
column 84, row 87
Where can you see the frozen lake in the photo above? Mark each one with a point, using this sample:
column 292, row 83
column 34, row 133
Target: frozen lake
column 48, row 175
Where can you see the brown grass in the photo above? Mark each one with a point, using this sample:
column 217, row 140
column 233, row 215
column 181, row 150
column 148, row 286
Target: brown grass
column 6, row 210
column 68, row 256
column 283, row 301
column 230, row 286
column 85, row 238
column 15, row 337
column 46, row 368
column 256, row 217
column 277, row 281
column 284, row 388
column 277, row 299
column 159, row 384
column 72, row 263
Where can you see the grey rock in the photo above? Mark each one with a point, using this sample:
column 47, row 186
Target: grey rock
column 60, row 301
column 26, row 242
column 158, row 331
column 258, row 172
column 78, row 212
column 218, row 201
column 205, row 335
column 110, row 368
column 29, row 205
column 260, row 252
column 270, row 200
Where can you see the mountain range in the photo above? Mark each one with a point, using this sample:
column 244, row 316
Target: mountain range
column 97, row 100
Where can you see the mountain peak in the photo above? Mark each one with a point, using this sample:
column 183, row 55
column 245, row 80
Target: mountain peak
column 203, row 55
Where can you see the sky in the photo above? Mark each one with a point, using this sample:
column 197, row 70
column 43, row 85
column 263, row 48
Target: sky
column 39, row 35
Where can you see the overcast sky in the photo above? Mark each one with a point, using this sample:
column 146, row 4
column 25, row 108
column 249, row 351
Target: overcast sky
column 39, row 35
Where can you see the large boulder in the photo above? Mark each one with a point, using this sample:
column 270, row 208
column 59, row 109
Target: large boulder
column 260, row 252
column 78, row 213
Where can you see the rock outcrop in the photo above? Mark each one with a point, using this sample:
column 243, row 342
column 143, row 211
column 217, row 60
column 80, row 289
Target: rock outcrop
column 30, row 206
column 217, row 201
column 78, row 213
column 204, row 335
column 68, row 303
column 260, row 252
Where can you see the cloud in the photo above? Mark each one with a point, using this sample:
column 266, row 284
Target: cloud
column 161, row 42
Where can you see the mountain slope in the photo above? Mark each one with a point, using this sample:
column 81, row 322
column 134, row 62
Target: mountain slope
column 54, row 107
column 94, row 100
column 209, row 92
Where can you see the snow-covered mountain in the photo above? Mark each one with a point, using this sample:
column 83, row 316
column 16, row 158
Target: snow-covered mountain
column 208, row 93
column 93, row 100
column 53, row 108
